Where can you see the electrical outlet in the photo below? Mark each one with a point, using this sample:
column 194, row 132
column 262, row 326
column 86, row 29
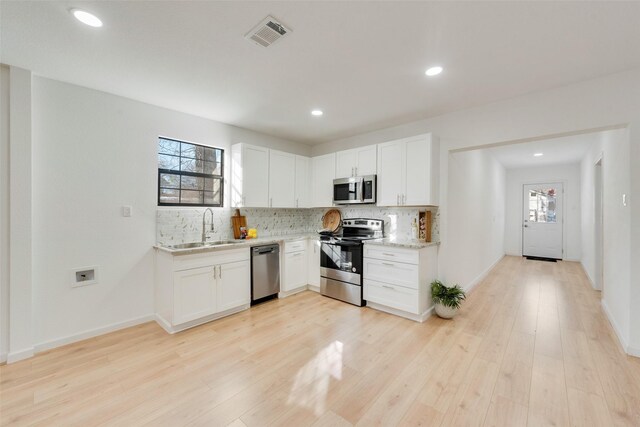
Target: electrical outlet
column 84, row 276
column 126, row 211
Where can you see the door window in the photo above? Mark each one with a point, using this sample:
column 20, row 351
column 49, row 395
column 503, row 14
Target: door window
column 542, row 205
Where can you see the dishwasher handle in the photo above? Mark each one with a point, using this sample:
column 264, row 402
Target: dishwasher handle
column 261, row 250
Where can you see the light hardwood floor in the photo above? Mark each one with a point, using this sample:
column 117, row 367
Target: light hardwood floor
column 530, row 347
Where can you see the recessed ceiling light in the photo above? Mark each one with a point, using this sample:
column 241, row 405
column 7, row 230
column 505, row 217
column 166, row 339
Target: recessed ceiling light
column 538, row 155
column 316, row 113
column 86, row 18
column 433, row 71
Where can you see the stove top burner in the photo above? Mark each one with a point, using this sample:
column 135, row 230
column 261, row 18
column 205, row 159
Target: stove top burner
column 357, row 230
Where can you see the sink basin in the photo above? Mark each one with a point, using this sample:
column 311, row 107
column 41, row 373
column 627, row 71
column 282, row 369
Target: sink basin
column 195, row 245
column 191, row 245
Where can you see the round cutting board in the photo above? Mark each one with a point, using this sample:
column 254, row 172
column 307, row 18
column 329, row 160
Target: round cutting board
column 331, row 220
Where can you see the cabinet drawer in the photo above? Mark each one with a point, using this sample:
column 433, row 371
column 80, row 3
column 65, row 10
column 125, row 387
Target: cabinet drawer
column 397, row 273
column 186, row 262
column 389, row 253
column 393, row 296
column 295, row 246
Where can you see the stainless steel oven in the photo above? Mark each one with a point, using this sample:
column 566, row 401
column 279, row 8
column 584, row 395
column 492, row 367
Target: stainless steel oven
column 354, row 190
column 341, row 270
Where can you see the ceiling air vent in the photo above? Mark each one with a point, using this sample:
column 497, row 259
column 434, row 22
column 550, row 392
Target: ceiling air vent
column 267, row 32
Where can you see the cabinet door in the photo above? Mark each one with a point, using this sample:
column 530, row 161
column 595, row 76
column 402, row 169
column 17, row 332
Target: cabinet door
column 393, row 296
column 295, row 270
column 303, row 180
column 366, row 160
column 390, row 173
column 345, row 163
column 323, row 169
column 194, row 294
column 418, row 170
column 313, row 265
column 282, row 170
column 254, row 176
column 234, row 285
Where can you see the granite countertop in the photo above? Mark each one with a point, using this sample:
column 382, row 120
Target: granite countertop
column 400, row 242
column 238, row 243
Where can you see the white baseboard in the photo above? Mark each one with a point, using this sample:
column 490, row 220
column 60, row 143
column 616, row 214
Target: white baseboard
column 48, row 345
column 469, row 287
column 633, row 351
column 292, row 292
column 586, row 273
column 314, row 288
column 415, row 317
column 17, row 356
column 3, row 358
column 614, row 325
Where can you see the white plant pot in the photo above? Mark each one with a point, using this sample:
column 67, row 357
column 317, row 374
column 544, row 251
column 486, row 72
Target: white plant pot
column 445, row 312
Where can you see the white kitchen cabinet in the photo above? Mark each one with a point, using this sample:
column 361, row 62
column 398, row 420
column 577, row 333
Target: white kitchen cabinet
column 323, row 172
column 408, row 171
column 294, row 275
column 397, row 280
column 250, row 172
column 356, row 162
column 193, row 289
column 282, row 179
column 303, row 181
column 232, row 289
column 194, row 294
column 313, row 265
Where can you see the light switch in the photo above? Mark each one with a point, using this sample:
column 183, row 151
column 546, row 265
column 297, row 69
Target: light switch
column 126, row 211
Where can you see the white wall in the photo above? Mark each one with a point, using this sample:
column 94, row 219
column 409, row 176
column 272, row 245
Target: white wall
column 477, row 207
column 4, row 212
column 605, row 102
column 569, row 175
column 93, row 153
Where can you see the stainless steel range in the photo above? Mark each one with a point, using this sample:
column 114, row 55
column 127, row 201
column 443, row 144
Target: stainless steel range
column 341, row 259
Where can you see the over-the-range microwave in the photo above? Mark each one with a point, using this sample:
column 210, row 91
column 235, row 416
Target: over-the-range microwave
column 354, row 190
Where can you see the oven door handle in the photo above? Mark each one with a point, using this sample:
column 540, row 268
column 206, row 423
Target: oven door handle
column 347, row 244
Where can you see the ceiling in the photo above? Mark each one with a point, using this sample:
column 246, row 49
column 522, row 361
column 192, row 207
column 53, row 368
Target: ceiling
column 564, row 150
column 361, row 62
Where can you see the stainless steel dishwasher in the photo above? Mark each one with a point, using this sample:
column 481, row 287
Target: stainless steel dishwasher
column 265, row 273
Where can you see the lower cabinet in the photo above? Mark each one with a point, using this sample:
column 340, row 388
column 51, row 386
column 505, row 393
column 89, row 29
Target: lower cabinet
column 397, row 280
column 294, row 273
column 193, row 289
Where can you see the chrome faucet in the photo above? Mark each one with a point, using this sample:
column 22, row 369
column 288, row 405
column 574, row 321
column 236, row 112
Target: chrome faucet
column 204, row 233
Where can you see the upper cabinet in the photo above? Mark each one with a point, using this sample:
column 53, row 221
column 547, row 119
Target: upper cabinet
column 250, row 172
column 303, row 181
column 408, row 171
column 263, row 178
column 356, row 162
column 323, row 172
column 282, row 179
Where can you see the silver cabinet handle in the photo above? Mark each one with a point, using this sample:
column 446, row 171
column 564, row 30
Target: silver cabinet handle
column 389, row 287
column 219, row 272
column 398, row 199
column 297, row 254
column 214, row 273
column 389, row 264
column 296, row 203
column 388, row 254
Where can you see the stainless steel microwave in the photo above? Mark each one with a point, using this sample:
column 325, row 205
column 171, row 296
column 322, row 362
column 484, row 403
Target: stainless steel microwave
column 354, row 190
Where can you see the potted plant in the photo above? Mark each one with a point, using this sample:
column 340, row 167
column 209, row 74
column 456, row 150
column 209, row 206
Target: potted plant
column 447, row 299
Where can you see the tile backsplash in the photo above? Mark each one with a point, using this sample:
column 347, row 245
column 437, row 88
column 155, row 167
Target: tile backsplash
column 181, row 225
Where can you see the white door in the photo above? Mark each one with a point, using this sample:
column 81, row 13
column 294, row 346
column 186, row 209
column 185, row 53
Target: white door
column 194, row 294
column 345, row 163
column 542, row 220
column 255, row 177
column 390, row 173
column 234, row 285
column 303, row 169
column 366, row 160
column 323, row 172
column 282, row 179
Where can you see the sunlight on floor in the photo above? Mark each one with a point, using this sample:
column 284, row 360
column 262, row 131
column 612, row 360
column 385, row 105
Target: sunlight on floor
column 312, row 381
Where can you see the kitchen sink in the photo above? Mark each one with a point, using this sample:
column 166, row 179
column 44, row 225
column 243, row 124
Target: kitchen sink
column 195, row 245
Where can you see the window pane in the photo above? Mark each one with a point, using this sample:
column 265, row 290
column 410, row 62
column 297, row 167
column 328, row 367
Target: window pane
column 167, row 146
column 191, row 197
column 209, row 198
column 542, row 205
column 210, row 154
column 169, row 180
column 192, row 165
column 193, row 151
column 192, row 182
column 168, row 162
column 210, row 168
column 169, row 196
column 208, row 184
